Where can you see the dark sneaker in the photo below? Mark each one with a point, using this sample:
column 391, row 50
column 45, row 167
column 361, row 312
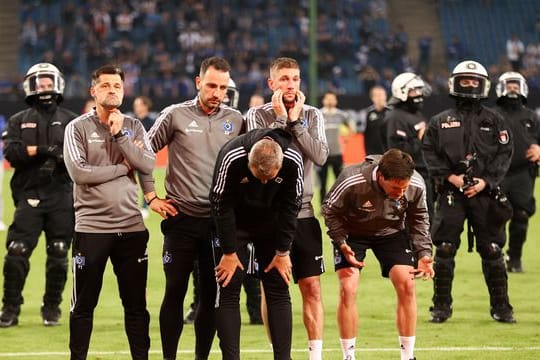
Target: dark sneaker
column 51, row 315
column 440, row 313
column 504, row 315
column 190, row 316
column 9, row 316
column 513, row 265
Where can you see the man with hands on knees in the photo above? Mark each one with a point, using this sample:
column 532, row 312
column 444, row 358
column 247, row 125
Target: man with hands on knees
column 380, row 204
column 256, row 195
column 305, row 123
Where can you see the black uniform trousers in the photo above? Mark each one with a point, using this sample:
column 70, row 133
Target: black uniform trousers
column 129, row 257
column 186, row 239
column 336, row 162
column 519, row 188
column 53, row 214
column 453, row 209
column 277, row 294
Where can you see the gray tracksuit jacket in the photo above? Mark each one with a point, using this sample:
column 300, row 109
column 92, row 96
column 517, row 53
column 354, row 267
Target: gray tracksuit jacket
column 105, row 190
column 356, row 205
column 309, row 136
column 194, row 140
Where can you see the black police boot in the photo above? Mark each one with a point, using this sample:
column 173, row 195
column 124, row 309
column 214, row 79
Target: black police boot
column 440, row 312
column 50, row 315
column 190, row 316
column 9, row 316
column 513, row 265
column 503, row 314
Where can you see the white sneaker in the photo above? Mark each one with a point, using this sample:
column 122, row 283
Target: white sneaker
column 145, row 213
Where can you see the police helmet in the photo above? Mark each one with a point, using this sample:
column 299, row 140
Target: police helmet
column 405, row 82
column 512, row 77
column 39, row 71
column 232, row 96
column 464, row 76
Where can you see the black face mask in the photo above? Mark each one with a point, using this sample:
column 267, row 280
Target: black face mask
column 467, row 104
column 510, row 102
column 46, row 101
column 413, row 104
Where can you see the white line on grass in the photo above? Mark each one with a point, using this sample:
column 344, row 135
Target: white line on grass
column 255, row 351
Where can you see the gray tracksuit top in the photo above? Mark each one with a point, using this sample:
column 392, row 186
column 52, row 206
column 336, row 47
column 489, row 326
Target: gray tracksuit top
column 194, row 140
column 105, row 191
column 356, row 205
column 309, row 135
column 333, row 119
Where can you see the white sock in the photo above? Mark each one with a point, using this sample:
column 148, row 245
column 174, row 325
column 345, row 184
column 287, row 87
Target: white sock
column 315, row 349
column 406, row 344
column 347, row 347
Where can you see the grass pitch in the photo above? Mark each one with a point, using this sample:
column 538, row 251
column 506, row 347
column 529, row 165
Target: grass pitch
column 469, row 334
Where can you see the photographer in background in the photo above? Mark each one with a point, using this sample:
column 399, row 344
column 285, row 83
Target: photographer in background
column 42, row 193
column 455, row 135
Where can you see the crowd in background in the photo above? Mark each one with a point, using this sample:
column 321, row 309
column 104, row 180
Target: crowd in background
column 159, row 42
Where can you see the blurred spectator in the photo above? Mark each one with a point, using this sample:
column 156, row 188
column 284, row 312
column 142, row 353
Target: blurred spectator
column 424, row 53
column 146, row 36
column 514, row 52
column 455, row 52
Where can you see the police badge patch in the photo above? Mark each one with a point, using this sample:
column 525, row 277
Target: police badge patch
column 227, row 127
column 504, row 137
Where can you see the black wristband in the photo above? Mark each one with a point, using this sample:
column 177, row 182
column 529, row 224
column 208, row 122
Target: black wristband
column 152, row 199
column 118, row 135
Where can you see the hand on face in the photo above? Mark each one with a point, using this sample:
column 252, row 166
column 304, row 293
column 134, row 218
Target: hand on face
column 296, row 110
column 116, row 120
column 277, row 103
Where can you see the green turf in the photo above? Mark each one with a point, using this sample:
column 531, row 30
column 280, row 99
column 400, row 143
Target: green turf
column 469, row 334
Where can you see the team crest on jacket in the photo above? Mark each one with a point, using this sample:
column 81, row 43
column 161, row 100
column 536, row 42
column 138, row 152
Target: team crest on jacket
column 227, row 127
column 127, row 132
column 504, row 137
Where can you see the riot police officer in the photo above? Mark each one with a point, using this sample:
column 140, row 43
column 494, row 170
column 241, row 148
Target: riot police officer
column 42, row 193
column 405, row 124
column 468, row 150
column 518, row 183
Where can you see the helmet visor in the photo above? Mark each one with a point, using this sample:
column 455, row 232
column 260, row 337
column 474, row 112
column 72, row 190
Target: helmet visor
column 44, row 83
column 469, row 86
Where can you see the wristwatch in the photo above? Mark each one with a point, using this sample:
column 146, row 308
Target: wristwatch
column 337, row 243
column 119, row 134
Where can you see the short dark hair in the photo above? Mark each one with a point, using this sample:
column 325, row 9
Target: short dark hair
column 216, row 62
column 145, row 100
column 396, row 164
column 329, row 92
column 107, row 69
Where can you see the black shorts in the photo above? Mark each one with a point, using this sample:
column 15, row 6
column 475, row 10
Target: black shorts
column 390, row 250
column 306, row 251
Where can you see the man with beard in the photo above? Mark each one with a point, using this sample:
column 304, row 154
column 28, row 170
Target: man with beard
column 194, row 131
column 306, row 124
column 103, row 150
